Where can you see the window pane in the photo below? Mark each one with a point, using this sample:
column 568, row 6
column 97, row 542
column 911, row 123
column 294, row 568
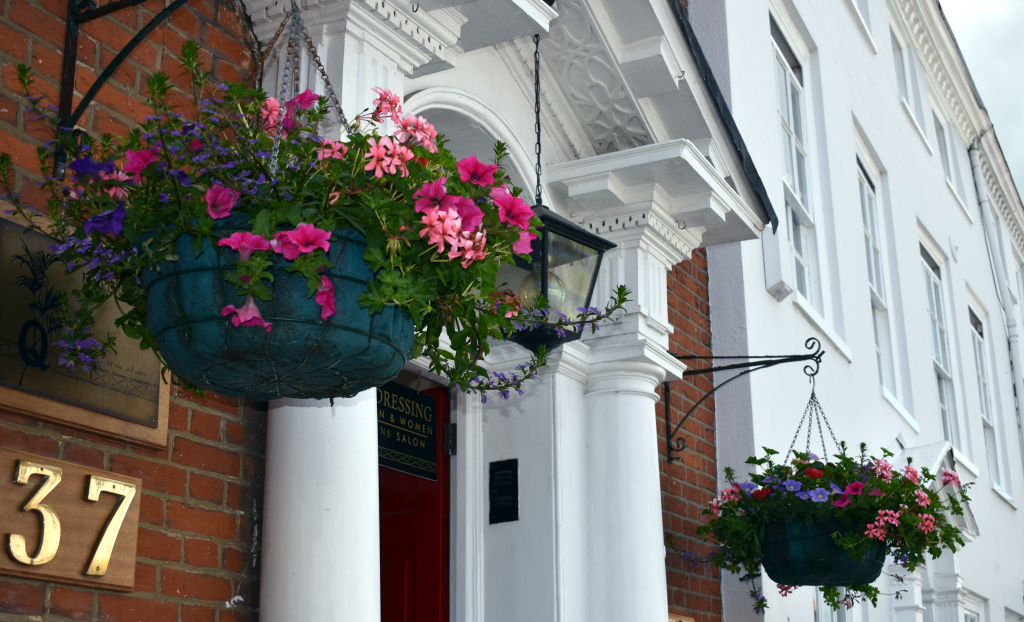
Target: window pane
column 898, row 62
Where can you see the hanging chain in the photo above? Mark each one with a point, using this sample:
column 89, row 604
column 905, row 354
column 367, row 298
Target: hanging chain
column 536, row 108
column 814, row 413
column 266, row 51
column 323, row 74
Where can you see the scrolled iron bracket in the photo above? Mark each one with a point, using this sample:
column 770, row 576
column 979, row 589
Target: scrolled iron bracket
column 82, row 12
column 675, row 445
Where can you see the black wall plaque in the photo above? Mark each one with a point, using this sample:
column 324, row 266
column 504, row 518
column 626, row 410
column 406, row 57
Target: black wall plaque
column 504, row 491
column 407, row 430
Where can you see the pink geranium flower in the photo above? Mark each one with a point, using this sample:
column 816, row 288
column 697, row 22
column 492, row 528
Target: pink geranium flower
column 400, row 154
column 927, row 523
column 308, row 238
column 220, row 200
column 387, row 103
column 137, row 161
column 332, row 149
column 270, row 111
column 472, row 246
column 950, row 477
column 883, row 470
column 476, row 172
column 910, row 473
column 118, row 192
column 441, row 226
column 325, row 297
column 245, row 243
column 247, row 315
column 380, row 157
column 923, row 499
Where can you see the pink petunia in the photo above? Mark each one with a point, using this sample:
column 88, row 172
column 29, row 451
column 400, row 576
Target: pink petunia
column 282, row 244
column 246, row 315
column 245, row 243
column 325, row 297
column 432, row 195
column 524, row 245
column 303, row 100
column 137, row 161
column 469, row 212
column 513, row 210
column 855, row 488
column 308, row 238
column 331, row 149
column 842, row 501
column 220, row 200
column 476, row 172
column 950, row 477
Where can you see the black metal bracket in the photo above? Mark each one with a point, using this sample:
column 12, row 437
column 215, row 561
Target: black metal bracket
column 81, row 12
column 749, row 365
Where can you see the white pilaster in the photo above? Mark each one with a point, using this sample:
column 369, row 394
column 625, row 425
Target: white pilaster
column 321, row 538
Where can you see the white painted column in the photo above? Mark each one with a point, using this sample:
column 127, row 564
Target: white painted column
column 321, row 535
column 626, row 536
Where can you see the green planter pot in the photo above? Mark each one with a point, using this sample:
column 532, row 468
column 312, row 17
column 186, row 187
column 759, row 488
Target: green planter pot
column 303, row 356
column 795, row 553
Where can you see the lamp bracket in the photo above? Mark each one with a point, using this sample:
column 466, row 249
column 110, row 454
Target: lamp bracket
column 81, row 12
column 675, row 445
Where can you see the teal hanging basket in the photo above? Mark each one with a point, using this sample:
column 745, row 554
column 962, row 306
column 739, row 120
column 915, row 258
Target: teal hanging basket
column 303, row 356
column 795, row 553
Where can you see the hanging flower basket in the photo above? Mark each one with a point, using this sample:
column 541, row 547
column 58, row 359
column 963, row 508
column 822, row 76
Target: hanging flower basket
column 798, row 553
column 303, row 356
column 231, row 238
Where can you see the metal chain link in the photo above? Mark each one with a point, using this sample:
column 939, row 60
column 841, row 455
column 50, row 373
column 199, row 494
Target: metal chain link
column 323, row 74
column 813, row 412
column 536, row 108
column 266, row 52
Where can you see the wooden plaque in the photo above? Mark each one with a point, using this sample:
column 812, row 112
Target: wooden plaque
column 123, row 396
column 87, row 528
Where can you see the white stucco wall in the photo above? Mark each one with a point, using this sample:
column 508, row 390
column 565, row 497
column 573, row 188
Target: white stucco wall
column 850, row 81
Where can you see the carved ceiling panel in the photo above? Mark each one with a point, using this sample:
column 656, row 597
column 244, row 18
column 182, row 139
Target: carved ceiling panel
column 592, row 82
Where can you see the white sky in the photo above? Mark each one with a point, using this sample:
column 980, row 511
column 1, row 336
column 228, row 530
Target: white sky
column 991, row 36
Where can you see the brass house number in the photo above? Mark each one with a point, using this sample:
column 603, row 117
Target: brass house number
column 93, row 508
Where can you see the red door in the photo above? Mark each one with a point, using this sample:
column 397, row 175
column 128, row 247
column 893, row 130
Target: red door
column 414, row 518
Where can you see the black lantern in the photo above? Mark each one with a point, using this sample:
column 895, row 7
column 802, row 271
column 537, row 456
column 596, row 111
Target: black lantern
column 564, row 260
column 563, row 266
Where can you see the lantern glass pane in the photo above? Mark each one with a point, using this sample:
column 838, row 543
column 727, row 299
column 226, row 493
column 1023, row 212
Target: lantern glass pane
column 571, row 267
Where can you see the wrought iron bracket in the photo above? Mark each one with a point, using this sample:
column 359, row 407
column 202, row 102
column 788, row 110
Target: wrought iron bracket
column 675, row 445
column 81, row 12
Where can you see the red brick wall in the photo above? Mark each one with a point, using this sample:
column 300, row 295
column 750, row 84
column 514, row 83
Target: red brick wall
column 32, row 32
column 689, row 483
column 201, row 499
column 201, row 502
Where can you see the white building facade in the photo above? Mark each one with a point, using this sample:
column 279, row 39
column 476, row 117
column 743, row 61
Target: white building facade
column 900, row 248
column 635, row 149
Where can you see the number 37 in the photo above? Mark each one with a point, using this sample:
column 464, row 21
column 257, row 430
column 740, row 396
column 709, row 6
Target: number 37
column 49, row 532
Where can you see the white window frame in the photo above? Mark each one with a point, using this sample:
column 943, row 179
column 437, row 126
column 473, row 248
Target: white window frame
column 874, row 247
column 986, row 406
column 949, row 152
column 937, row 312
column 908, row 84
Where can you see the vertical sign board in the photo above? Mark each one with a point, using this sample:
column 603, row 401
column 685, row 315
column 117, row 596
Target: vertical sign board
column 407, row 430
column 67, row 523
